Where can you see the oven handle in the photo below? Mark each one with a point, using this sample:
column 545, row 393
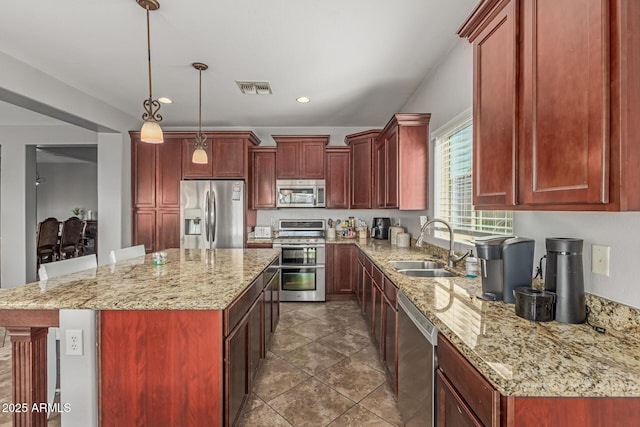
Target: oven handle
column 298, row 267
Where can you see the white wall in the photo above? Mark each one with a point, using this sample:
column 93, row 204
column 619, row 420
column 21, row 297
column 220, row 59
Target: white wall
column 447, row 92
column 67, row 185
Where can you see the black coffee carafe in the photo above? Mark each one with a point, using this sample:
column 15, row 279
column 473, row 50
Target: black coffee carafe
column 564, row 276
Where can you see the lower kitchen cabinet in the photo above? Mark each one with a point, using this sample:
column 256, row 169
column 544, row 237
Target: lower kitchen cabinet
column 236, row 370
column 390, row 324
column 340, row 262
column 467, row 391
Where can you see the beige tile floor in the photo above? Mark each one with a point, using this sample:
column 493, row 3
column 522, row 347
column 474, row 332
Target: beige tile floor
column 322, row 370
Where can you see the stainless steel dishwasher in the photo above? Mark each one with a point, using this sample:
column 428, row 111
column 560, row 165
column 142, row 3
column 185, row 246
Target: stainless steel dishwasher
column 417, row 339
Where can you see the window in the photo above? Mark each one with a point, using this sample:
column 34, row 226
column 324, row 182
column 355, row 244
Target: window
column 454, row 184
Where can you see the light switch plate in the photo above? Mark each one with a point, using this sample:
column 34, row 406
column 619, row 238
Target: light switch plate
column 600, row 259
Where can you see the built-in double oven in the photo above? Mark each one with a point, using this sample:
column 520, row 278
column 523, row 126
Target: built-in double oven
column 302, row 264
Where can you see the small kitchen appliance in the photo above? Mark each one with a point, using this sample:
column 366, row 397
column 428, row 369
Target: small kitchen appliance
column 507, row 263
column 534, row 304
column 380, row 229
column 564, row 276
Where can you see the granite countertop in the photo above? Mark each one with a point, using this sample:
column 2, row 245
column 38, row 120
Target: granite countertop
column 192, row 279
column 519, row 357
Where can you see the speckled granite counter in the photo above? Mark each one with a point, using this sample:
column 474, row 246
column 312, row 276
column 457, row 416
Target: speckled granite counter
column 519, row 357
column 192, row 279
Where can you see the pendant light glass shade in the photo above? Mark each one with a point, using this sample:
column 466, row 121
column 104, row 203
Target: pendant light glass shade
column 199, row 153
column 200, row 156
column 151, row 132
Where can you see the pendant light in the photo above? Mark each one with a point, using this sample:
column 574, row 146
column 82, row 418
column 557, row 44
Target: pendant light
column 200, row 153
column 151, row 131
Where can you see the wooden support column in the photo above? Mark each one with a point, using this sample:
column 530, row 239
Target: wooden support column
column 28, row 330
column 29, row 352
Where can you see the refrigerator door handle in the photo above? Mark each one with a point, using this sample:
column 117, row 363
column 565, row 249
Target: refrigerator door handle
column 206, row 216
column 213, row 218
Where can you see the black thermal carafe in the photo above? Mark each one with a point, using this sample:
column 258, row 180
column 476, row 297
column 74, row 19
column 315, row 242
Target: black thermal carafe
column 564, row 276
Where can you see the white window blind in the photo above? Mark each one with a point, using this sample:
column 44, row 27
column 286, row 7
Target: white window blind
column 454, row 186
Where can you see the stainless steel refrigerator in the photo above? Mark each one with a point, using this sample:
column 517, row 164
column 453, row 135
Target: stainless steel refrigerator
column 211, row 214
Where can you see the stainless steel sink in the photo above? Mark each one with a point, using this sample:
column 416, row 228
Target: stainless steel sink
column 413, row 265
column 426, row 273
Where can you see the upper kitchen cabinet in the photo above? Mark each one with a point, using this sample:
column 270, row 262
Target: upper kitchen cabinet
column 300, row 157
column 263, row 178
column 400, row 161
column 362, row 168
column 554, row 102
column 227, row 153
column 338, row 179
column 156, row 172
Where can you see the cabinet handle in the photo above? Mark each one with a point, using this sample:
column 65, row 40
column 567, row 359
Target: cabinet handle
column 459, row 410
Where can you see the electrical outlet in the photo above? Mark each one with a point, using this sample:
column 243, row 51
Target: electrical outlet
column 600, row 259
column 74, row 343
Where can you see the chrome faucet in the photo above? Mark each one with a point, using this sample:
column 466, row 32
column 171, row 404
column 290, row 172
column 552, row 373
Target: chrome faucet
column 453, row 259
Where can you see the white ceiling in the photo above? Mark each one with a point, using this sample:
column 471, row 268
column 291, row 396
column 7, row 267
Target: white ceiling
column 358, row 60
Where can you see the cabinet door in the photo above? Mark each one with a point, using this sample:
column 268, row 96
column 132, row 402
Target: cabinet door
column 287, row 160
column 494, row 121
column 361, row 174
column 391, row 168
column 144, row 174
column 144, row 229
column 379, row 174
column 169, row 174
column 311, row 160
column 264, row 180
column 339, row 269
column 390, row 316
column 367, row 306
column 359, row 282
column 565, row 109
column 167, row 229
column 255, row 337
column 236, row 370
column 193, row 170
column 452, row 409
column 228, row 157
column 376, row 323
column 338, row 183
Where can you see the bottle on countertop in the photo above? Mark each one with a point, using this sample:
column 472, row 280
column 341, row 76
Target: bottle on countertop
column 471, row 265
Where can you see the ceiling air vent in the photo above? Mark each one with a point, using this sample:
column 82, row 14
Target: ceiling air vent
column 254, row 88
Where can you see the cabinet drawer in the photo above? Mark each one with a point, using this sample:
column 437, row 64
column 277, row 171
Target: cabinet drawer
column 478, row 393
column 378, row 277
column 368, row 266
column 391, row 292
column 241, row 306
column 452, row 409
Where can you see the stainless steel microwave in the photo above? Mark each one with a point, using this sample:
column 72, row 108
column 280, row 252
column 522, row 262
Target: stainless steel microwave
column 301, row 193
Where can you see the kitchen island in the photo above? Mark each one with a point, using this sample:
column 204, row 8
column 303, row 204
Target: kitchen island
column 167, row 334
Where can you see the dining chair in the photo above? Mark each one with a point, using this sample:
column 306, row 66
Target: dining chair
column 52, row 270
column 126, row 253
column 70, row 237
column 47, row 240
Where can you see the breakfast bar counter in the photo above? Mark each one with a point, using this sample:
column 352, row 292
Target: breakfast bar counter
column 165, row 333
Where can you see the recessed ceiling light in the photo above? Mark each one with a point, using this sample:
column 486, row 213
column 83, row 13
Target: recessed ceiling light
column 303, row 100
column 165, row 100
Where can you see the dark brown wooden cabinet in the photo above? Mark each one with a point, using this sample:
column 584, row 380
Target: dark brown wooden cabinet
column 300, row 156
column 263, row 178
column 236, row 370
column 362, row 168
column 452, row 408
column 390, row 322
column 338, row 181
column 553, row 101
column 227, row 154
column 401, row 158
column 340, row 267
column 156, row 172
